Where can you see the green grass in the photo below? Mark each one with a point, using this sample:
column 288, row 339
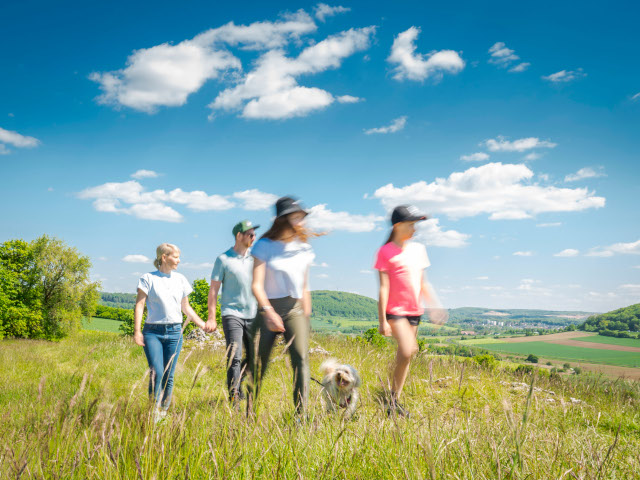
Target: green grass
column 78, row 409
column 566, row 352
column 481, row 341
column 625, row 342
column 101, row 324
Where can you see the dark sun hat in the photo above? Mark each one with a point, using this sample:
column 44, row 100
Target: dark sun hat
column 287, row 205
column 406, row 213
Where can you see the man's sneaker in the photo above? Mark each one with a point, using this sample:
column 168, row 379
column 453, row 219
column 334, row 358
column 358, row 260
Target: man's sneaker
column 396, row 409
column 159, row 415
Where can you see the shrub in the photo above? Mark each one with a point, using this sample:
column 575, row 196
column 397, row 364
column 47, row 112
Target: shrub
column 524, row 370
column 566, row 366
column 374, row 337
column 486, row 361
column 532, row 358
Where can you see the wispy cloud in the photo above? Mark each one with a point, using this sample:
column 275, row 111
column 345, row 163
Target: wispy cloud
column 322, row 11
column 395, row 126
column 523, row 254
column 547, row 225
column 140, row 174
column 432, row 234
column 635, row 97
column 475, row 157
column 564, row 76
column 15, row 139
column 567, row 252
column 410, row 65
column 586, row 172
column 501, row 144
column 505, row 57
column 631, row 248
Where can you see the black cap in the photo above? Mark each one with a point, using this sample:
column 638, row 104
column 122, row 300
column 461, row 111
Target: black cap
column 406, row 213
column 287, row 205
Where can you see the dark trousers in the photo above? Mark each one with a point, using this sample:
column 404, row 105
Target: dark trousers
column 296, row 333
column 162, row 345
column 237, row 334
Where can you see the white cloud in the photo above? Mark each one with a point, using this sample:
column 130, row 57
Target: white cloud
column 500, row 144
column 322, row 219
column 136, row 258
column 432, row 234
column 322, row 275
column 366, row 272
column 322, row 11
column 567, row 252
column 632, row 287
column 140, row 174
column 532, row 156
column 482, row 278
column 523, row 254
column 395, row 126
column 15, row 139
column 255, row 199
column 586, row 172
column 635, row 97
column 636, row 266
column 321, row 265
column 565, row 76
column 475, row 157
column 551, row 224
column 631, row 248
column 166, row 74
column 197, row 266
column 521, row 67
column 271, row 91
column 413, row 66
column 502, row 191
column 348, row 99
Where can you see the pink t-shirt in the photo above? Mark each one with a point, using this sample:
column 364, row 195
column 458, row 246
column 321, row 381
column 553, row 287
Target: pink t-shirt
column 405, row 268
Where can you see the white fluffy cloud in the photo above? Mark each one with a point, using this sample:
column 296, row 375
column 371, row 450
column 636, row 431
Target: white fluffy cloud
column 586, row 172
column 131, row 198
column 567, row 252
column 322, row 11
column 271, row 90
column 475, row 157
column 432, row 234
column 550, row 224
column 255, row 199
column 523, row 254
column 505, row 192
column 15, row 139
column 140, row 174
column 410, row 65
column 395, row 126
column 321, row 218
column 505, row 57
column 564, row 76
column 136, row 258
column 631, row 248
column 348, row 99
column 501, row 144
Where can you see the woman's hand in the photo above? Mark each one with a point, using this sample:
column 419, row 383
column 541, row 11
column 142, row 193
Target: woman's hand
column 211, row 325
column 273, row 320
column 138, row 338
column 384, row 328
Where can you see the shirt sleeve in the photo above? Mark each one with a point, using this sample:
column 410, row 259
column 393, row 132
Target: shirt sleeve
column 217, row 274
column 425, row 258
column 187, row 287
column 382, row 262
column 260, row 250
column 144, row 284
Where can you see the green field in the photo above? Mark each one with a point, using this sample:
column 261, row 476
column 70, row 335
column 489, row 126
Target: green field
column 566, row 352
column 101, row 325
column 625, row 342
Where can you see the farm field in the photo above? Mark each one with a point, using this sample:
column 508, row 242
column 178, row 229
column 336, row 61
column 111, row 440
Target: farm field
column 98, row 324
column 623, row 342
column 567, row 352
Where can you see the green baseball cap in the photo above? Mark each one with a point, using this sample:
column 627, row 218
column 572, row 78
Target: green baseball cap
column 243, row 226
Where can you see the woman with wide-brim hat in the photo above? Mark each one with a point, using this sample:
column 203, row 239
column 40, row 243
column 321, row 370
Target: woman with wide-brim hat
column 282, row 258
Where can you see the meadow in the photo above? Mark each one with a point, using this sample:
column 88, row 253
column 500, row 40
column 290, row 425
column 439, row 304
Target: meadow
column 623, row 342
column 98, row 324
column 566, row 352
column 78, row 409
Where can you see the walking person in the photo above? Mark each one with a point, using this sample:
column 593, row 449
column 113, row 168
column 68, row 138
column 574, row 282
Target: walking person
column 233, row 271
column 165, row 292
column 282, row 258
column 403, row 286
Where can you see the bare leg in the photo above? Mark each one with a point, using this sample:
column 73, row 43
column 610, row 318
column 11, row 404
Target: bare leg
column 405, row 334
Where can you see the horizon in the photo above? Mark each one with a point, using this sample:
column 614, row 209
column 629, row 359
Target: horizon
column 132, row 126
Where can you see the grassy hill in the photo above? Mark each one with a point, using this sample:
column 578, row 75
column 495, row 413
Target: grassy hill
column 77, row 409
column 621, row 320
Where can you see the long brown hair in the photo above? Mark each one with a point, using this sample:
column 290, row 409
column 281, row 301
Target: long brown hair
column 280, row 227
column 390, row 236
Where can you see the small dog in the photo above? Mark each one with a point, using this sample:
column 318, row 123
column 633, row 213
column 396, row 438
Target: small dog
column 340, row 386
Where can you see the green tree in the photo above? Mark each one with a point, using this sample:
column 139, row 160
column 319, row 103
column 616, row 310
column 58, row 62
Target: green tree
column 45, row 288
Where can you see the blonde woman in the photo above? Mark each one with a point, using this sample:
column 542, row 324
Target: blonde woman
column 403, row 286
column 166, row 294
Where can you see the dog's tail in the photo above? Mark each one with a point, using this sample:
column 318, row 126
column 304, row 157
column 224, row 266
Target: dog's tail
column 328, row 366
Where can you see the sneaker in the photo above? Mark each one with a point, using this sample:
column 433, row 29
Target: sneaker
column 397, row 409
column 159, row 415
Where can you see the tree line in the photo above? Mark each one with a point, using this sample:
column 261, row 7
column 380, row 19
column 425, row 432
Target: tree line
column 617, row 323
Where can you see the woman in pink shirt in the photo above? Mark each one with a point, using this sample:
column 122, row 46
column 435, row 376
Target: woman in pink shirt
column 401, row 265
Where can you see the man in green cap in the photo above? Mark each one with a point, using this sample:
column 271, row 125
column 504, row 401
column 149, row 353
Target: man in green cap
column 233, row 271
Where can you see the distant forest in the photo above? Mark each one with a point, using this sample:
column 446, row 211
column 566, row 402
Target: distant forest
column 615, row 323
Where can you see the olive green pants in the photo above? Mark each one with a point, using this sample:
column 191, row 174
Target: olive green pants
column 296, row 335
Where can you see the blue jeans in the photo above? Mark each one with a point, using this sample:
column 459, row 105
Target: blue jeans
column 162, row 345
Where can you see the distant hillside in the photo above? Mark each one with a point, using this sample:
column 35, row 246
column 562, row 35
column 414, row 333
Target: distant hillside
column 623, row 319
column 117, row 300
column 328, row 303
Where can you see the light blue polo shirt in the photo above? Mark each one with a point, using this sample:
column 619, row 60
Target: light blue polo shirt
column 236, row 274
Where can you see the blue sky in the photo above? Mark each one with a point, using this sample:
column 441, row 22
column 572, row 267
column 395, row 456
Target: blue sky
column 515, row 129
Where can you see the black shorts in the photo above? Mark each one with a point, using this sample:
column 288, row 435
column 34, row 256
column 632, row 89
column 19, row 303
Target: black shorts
column 414, row 320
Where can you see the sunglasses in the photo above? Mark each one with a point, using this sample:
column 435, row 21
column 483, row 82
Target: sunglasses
column 250, row 234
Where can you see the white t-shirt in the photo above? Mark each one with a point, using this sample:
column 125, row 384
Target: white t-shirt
column 287, row 264
column 165, row 292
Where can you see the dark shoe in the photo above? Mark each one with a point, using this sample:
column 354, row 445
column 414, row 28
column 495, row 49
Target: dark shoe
column 396, row 409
